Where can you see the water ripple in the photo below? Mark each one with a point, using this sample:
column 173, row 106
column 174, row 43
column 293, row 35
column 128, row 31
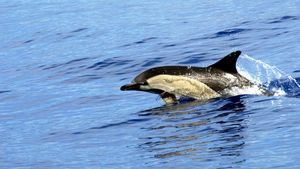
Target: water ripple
column 169, row 45
column 28, row 41
column 194, row 58
column 63, row 64
column 284, row 19
column 229, row 32
column 130, row 121
column 127, row 122
column 145, row 40
column 109, row 63
column 5, row 91
column 152, row 61
column 78, row 30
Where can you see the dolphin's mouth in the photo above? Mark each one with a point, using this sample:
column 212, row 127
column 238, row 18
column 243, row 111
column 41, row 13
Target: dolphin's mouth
column 141, row 86
column 132, row 86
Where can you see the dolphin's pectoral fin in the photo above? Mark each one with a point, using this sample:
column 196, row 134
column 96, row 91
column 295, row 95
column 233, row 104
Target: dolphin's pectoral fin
column 228, row 63
column 168, row 98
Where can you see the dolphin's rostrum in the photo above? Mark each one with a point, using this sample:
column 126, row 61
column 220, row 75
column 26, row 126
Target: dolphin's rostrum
column 201, row 83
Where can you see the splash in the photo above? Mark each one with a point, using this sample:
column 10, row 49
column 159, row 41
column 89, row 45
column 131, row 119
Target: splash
column 252, row 90
column 274, row 79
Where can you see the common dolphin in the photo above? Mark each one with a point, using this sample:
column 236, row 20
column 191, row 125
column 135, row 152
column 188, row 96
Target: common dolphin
column 202, row 83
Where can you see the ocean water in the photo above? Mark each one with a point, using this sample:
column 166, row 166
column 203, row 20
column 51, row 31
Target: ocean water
column 62, row 63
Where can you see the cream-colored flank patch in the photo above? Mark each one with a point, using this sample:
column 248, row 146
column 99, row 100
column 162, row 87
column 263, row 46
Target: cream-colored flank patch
column 182, row 86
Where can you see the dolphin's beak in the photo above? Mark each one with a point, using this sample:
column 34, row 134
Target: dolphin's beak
column 132, row 86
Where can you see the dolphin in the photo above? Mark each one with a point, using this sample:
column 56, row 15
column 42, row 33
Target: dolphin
column 220, row 79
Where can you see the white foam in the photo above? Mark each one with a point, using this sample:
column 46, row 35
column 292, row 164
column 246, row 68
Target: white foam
column 278, row 92
column 253, row 90
column 230, row 77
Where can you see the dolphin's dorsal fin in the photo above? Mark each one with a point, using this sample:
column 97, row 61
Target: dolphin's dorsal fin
column 228, row 63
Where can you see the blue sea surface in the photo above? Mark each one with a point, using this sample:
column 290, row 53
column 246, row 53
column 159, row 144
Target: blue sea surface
column 62, row 63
